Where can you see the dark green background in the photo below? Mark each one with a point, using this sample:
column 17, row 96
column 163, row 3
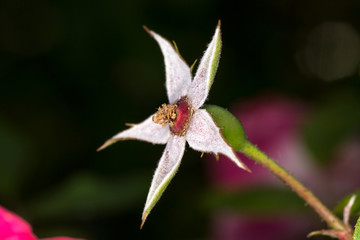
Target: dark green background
column 73, row 72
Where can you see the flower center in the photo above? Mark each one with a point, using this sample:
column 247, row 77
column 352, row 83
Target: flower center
column 176, row 115
column 166, row 114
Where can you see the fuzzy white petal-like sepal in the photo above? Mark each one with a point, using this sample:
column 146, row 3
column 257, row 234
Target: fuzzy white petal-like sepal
column 145, row 131
column 178, row 75
column 167, row 167
column 204, row 77
column 204, row 135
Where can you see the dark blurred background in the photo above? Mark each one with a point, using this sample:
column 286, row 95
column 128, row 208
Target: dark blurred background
column 73, row 72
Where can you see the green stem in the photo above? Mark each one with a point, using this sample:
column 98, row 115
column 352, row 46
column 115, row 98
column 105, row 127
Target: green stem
column 257, row 155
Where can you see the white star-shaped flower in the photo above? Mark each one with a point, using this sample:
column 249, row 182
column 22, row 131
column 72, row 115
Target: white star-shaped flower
column 182, row 120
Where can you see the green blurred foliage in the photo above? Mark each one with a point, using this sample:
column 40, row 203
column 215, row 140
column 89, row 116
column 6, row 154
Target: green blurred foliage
column 256, row 201
column 87, row 195
column 73, row 72
column 336, row 118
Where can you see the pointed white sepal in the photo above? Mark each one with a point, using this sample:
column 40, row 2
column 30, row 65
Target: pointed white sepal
column 178, row 75
column 147, row 131
column 165, row 171
column 204, row 77
column 204, row 135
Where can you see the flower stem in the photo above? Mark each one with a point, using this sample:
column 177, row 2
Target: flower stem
column 257, row 155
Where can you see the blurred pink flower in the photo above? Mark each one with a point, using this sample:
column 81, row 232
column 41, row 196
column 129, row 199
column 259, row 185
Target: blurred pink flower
column 13, row 227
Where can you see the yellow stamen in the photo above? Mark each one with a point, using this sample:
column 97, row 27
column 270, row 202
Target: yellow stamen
column 166, row 114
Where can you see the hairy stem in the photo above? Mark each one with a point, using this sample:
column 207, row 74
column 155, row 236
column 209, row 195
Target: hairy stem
column 254, row 153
